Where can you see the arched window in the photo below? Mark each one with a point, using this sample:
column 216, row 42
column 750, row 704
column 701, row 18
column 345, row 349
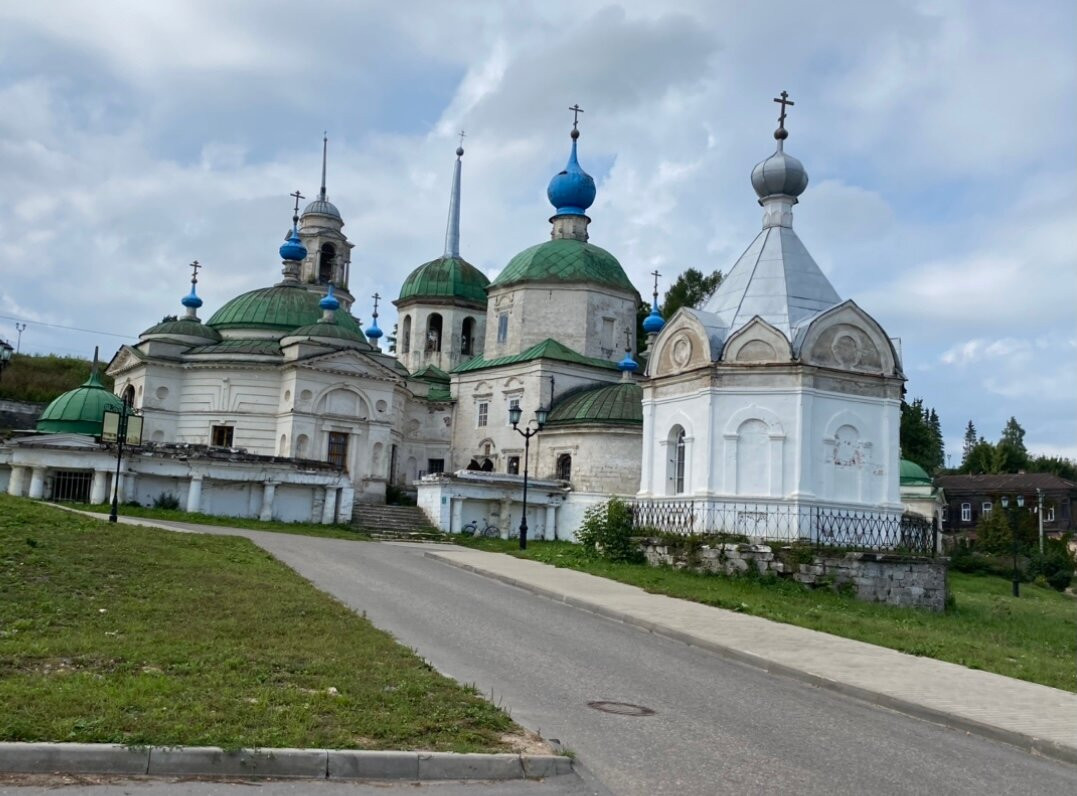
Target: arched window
column 467, row 337
column 326, row 258
column 487, row 466
column 564, row 467
column 474, row 465
column 675, row 465
column 433, row 333
column 129, row 395
column 405, row 335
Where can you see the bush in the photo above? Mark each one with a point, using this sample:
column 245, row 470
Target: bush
column 1055, row 565
column 166, row 500
column 607, row 532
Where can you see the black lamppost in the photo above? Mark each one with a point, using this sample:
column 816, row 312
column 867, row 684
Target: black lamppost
column 527, row 433
column 5, row 355
column 1013, row 538
column 123, row 426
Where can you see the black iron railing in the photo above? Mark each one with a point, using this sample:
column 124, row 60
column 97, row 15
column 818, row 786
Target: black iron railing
column 764, row 522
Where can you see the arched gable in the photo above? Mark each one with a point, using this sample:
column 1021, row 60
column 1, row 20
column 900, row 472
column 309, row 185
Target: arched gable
column 342, row 399
column 845, row 417
column 682, row 345
column 754, row 412
column 757, row 341
column 847, row 338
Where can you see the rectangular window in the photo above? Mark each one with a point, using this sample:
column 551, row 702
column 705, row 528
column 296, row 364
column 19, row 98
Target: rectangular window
column 966, row 512
column 945, row 513
column 514, row 465
column 502, row 327
column 435, row 465
column 513, row 404
column 607, row 334
column 985, row 508
column 221, row 436
column 1050, row 515
column 484, row 414
column 338, row 449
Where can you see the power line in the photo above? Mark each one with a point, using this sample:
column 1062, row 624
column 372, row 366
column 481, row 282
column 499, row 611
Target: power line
column 69, row 328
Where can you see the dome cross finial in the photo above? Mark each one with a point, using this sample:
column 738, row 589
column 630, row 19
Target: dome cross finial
column 783, row 100
column 194, row 271
column 297, row 196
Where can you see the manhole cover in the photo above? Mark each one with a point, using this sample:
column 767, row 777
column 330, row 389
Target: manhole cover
column 621, row 708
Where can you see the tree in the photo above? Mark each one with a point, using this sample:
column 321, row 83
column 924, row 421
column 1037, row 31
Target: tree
column 1010, row 453
column 921, row 435
column 391, row 340
column 970, row 442
column 981, row 459
column 692, row 289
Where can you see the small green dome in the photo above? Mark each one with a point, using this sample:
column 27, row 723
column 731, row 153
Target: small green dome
column 613, row 404
column 281, row 308
column 565, row 260
column 184, row 327
column 79, row 411
column 445, row 278
column 913, row 474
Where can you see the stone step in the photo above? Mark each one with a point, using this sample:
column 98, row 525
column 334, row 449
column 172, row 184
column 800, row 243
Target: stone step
column 397, row 522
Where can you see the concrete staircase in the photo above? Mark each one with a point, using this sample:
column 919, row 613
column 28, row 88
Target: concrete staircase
column 395, row 523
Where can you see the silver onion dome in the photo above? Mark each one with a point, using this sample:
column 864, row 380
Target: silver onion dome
column 779, row 174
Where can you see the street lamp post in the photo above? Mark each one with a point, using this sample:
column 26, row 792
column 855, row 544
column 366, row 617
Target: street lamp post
column 527, row 433
column 1039, row 515
column 5, row 355
column 126, row 427
column 1013, row 538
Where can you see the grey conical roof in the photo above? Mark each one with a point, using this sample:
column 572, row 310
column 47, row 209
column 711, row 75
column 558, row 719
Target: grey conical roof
column 775, row 279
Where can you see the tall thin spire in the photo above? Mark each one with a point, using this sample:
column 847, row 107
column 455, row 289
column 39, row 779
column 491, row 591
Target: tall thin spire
column 325, row 152
column 452, row 229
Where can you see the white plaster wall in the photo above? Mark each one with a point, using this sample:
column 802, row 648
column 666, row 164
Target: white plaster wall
column 452, row 325
column 605, row 459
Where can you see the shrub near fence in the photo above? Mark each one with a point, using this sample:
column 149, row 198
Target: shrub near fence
column 776, row 522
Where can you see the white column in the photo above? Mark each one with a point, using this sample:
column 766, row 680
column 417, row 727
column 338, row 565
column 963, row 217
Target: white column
column 456, row 514
column 329, row 506
column 129, row 486
column 345, row 504
column 99, row 487
column 551, row 522
column 269, row 491
column 37, row 483
column 194, row 493
column 15, row 484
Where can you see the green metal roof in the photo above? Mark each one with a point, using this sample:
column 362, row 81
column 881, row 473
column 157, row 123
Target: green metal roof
column 79, row 411
column 281, row 307
column 330, row 331
column 913, row 474
column 547, row 349
column 438, row 393
column 234, row 347
column 184, row 327
column 565, row 260
column 432, row 373
column 612, row 404
column 445, row 278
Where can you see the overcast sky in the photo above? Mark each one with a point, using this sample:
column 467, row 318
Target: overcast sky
column 939, row 139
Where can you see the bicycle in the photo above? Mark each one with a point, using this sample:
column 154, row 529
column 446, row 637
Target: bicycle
column 488, row 532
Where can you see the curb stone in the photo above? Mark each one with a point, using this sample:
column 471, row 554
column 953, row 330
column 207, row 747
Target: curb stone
column 213, row 761
column 1024, row 741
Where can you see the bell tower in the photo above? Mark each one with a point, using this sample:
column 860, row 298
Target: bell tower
column 328, row 259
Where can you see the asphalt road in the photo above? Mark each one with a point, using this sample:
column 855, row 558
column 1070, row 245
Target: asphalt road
column 718, row 726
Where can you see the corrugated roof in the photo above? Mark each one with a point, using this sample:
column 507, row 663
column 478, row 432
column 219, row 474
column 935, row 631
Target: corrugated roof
column 565, row 260
column 445, row 278
column 81, row 410
column 1003, row 482
column 547, row 349
column 611, row 404
column 281, row 307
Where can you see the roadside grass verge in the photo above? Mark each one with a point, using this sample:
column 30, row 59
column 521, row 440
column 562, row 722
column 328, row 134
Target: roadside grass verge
column 132, row 635
column 335, row 531
column 1033, row 637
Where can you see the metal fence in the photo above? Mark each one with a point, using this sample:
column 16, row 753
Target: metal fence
column 780, row 522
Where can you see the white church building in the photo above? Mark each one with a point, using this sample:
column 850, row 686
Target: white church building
column 770, row 410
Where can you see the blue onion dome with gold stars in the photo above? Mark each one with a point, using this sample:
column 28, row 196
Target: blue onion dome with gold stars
column 572, row 190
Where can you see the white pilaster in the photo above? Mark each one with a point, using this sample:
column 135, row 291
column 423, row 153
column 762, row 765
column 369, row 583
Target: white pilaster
column 99, row 487
column 269, row 490
column 18, row 479
column 329, row 505
column 37, row 483
column 194, row 494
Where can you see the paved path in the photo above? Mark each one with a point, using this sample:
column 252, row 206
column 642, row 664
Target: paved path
column 720, row 726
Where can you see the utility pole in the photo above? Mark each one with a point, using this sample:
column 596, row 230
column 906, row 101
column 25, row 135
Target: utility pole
column 19, row 328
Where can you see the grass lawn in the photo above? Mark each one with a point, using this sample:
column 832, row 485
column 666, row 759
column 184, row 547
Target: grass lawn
column 1033, row 637
column 334, row 531
column 140, row 636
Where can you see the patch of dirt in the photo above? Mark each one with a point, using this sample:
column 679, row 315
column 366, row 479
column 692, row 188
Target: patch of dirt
column 526, row 742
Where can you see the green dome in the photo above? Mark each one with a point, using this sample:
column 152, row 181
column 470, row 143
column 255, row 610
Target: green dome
column 184, row 327
column 565, row 260
column 79, row 411
column 913, row 474
column 281, row 307
column 614, row 404
column 445, row 278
